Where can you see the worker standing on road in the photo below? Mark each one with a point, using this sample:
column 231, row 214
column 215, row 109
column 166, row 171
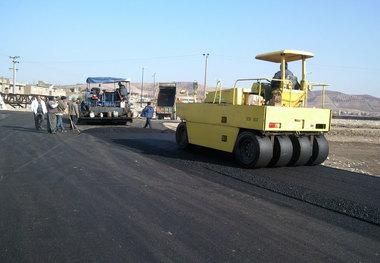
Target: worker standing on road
column 148, row 114
column 39, row 110
column 52, row 118
column 74, row 113
column 61, row 110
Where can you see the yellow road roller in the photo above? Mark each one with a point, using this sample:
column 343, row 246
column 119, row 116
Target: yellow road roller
column 262, row 121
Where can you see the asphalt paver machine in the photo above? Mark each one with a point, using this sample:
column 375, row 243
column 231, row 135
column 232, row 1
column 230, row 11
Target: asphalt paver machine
column 106, row 105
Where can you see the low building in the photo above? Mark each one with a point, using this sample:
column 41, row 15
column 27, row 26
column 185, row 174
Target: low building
column 42, row 88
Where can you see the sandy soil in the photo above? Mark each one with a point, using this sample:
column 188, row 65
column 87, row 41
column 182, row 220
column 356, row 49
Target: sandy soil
column 355, row 146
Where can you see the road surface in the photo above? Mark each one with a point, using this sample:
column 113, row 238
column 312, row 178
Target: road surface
column 127, row 194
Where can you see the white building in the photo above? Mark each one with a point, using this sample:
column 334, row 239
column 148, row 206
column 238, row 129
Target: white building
column 42, row 88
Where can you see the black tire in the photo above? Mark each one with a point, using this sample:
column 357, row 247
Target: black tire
column 301, row 150
column 252, row 150
column 320, row 150
column 181, row 136
column 282, row 151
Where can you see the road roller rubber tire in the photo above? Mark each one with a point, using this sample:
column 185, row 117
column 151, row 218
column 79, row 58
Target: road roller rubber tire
column 282, row 151
column 301, row 150
column 181, row 136
column 252, row 150
column 320, row 150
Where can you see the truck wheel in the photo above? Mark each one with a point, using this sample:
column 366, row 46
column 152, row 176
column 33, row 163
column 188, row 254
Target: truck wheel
column 252, row 150
column 301, row 150
column 320, row 150
column 181, row 136
column 282, row 151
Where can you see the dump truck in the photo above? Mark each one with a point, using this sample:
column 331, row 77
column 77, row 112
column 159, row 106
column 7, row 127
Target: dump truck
column 106, row 105
column 166, row 101
column 262, row 124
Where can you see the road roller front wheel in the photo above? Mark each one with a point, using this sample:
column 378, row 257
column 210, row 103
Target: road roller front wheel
column 181, row 136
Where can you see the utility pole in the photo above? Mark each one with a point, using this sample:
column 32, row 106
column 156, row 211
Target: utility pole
column 205, row 83
column 142, row 85
column 154, row 85
column 14, row 61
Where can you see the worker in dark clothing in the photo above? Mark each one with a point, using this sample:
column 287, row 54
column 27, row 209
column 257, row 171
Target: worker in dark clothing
column 276, row 83
column 122, row 89
column 74, row 113
column 52, row 118
column 148, row 114
column 83, row 107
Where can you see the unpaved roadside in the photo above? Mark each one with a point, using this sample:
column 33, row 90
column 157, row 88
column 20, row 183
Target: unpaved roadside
column 354, row 146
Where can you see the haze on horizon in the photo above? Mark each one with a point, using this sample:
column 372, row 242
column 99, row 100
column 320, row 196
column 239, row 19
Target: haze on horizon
column 64, row 42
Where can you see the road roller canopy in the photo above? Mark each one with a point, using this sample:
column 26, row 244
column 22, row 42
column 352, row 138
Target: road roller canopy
column 290, row 55
column 102, row 80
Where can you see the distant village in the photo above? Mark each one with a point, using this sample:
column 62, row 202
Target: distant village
column 78, row 91
column 41, row 88
column 70, row 91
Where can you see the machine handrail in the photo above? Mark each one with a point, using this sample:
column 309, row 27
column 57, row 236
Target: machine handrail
column 218, row 84
column 323, row 85
column 257, row 79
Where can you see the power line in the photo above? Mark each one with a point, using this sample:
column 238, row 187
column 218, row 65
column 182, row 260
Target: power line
column 111, row 60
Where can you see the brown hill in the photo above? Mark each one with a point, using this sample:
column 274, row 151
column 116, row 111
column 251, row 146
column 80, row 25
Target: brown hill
column 350, row 103
column 334, row 100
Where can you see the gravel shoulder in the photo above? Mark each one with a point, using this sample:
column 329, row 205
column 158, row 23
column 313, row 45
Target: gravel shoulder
column 354, row 146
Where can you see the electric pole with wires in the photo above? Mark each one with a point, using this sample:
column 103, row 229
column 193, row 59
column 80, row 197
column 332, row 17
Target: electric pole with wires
column 14, row 61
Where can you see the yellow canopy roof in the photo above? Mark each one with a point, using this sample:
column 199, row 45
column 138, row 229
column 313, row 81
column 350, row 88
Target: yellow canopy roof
column 290, row 55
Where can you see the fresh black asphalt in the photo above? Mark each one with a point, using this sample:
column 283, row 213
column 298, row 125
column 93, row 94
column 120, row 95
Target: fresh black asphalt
column 127, row 194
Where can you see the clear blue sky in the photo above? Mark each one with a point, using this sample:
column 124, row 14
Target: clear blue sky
column 64, row 42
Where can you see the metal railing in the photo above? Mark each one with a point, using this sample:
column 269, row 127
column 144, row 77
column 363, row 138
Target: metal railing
column 259, row 81
column 20, row 99
column 323, row 85
column 288, row 84
column 218, row 84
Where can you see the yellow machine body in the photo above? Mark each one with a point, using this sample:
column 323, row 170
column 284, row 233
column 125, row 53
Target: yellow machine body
column 217, row 125
column 267, row 123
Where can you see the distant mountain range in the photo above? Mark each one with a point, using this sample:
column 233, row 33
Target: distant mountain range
column 347, row 103
column 334, row 100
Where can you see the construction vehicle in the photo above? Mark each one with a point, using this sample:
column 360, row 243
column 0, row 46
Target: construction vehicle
column 166, row 101
column 261, row 124
column 106, row 106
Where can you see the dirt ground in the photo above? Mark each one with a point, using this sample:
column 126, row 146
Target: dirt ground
column 354, row 146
